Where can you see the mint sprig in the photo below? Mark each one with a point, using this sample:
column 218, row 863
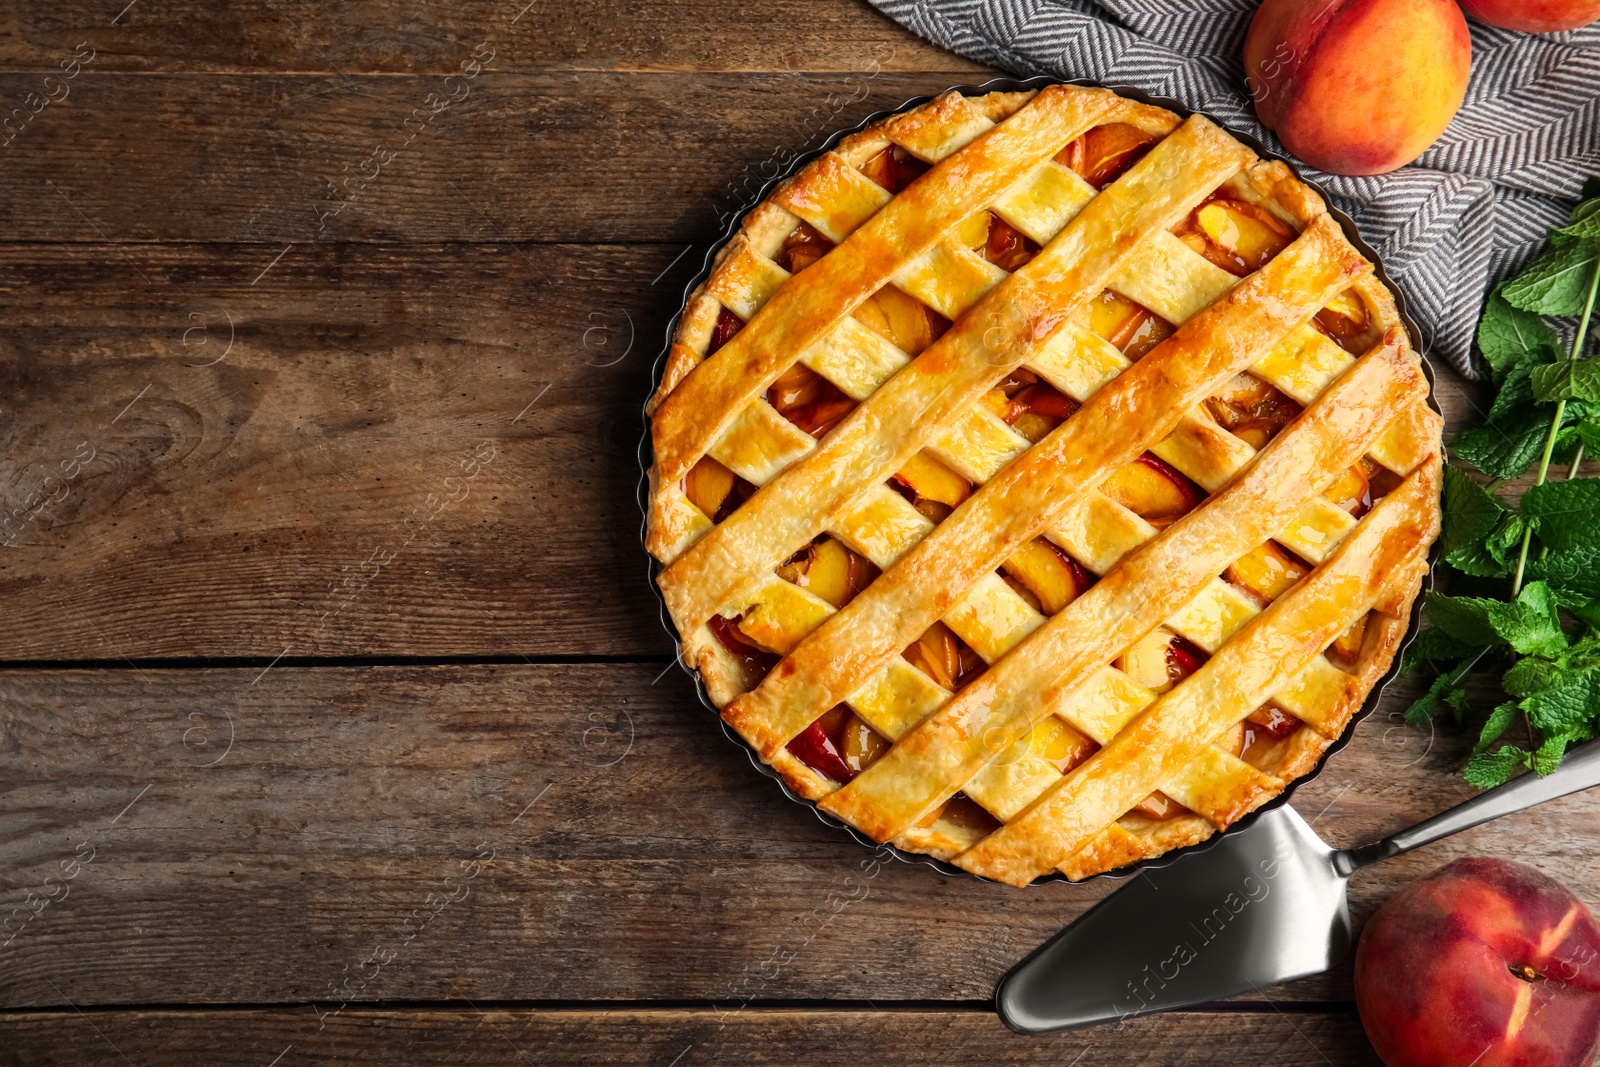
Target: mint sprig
column 1530, row 571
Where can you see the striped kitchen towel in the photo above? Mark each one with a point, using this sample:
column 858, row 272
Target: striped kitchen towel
column 1466, row 214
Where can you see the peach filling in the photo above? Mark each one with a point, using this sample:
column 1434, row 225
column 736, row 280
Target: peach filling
column 944, row 657
column 964, row 815
column 715, row 489
column 1251, row 409
column 997, row 240
column 1345, row 322
column 1044, row 576
column 839, row 745
column 1237, row 236
column 757, row 661
column 894, row 168
column 809, row 400
column 933, row 488
column 1133, row 328
column 1101, row 155
column 902, row 320
column 1266, row 572
column 1158, row 806
column 1262, row 729
column 1160, row 660
column 1029, row 406
column 1345, row 652
column 1153, row 490
column 826, row 568
column 722, row 331
column 1052, row 739
column 802, row 248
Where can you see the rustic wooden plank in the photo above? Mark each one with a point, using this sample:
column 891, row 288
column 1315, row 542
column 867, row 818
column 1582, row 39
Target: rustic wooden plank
column 324, row 836
column 388, row 37
column 309, row 487
column 682, row 1037
column 311, row 159
column 246, row 500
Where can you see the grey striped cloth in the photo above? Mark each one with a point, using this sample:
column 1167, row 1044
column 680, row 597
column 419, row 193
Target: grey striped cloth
column 1471, row 210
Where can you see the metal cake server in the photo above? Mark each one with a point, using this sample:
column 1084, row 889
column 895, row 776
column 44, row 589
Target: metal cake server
column 1258, row 907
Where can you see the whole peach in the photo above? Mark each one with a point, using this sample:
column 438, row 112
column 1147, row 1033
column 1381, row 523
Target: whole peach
column 1534, row 16
column 1358, row 86
column 1483, row 962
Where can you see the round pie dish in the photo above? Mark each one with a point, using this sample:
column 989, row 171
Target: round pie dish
column 1040, row 481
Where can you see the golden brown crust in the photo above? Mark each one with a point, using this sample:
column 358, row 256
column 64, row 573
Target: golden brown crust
column 994, row 153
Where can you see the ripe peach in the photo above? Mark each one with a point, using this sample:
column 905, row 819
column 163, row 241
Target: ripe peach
column 1358, row 86
column 1534, row 16
column 1483, row 962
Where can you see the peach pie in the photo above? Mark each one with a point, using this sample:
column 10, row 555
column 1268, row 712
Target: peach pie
column 1042, row 481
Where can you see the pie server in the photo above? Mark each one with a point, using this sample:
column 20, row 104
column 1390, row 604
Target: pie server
column 1259, row 907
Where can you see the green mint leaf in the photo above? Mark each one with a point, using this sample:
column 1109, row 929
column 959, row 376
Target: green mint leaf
column 1504, row 543
column 1471, row 512
column 1465, row 618
column 1499, row 719
column 1511, row 338
column 1530, row 675
column 1489, row 769
column 1585, row 221
column 1531, row 624
column 1426, row 706
column 1503, row 448
column 1556, row 282
column 1471, row 515
column 1433, row 645
column 1585, row 609
column 1548, row 758
column 1576, row 570
column 1566, row 514
column 1591, row 188
column 1588, row 431
column 1566, row 381
column 1569, row 703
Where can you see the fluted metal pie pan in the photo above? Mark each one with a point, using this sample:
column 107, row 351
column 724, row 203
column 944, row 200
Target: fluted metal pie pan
column 646, row 460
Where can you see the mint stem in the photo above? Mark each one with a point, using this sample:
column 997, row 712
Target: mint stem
column 1555, row 421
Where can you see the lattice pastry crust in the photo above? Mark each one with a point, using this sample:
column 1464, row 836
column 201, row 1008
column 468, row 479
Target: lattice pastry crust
column 1041, row 481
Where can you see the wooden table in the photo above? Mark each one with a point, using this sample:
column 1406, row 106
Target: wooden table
column 336, row 719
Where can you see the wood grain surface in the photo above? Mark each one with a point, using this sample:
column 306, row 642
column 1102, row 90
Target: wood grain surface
column 328, row 666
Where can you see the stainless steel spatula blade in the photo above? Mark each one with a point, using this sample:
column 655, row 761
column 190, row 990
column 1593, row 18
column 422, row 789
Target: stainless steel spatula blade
column 1259, row 908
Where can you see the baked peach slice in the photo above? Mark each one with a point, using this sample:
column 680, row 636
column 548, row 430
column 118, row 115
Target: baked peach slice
column 1266, row 572
column 1061, row 744
column 829, row 570
column 809, row 400
column 1133, row 328
column 1345, row 322
column 944, row 657
column 803, row 247
column 1153, row 490
column 933, row 488
column 902, row 320
column 1160, row 660
column 1237, row 236
column 1048, row 578
column 1102, row 154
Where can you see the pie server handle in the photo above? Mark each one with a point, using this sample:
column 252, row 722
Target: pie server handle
column 1580, row 770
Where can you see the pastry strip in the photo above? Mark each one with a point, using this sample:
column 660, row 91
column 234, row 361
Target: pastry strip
column 1012, row 320
column 1146, row 587
column 1039, row 488
column 1178, row 727
column 696, row 412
